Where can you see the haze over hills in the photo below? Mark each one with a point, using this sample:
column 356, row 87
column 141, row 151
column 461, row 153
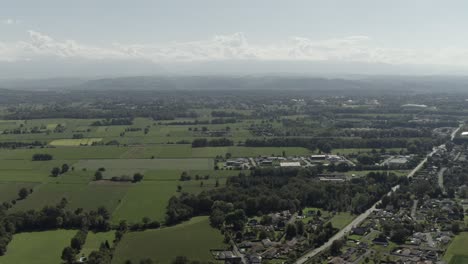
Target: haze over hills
column 422, row 84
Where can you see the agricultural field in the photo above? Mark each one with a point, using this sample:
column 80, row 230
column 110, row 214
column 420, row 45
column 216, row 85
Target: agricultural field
column 341, row 219
column 37, row 247
column 75, row 142
column 456, row 252
column 86, row 196
column 94, row 159
column 94, row 240
column 192, row 239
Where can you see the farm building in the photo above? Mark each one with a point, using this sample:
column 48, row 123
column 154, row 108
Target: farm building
column 290, row 164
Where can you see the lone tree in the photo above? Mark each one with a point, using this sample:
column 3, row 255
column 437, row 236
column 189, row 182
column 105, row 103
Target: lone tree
column 23, row 193
column 65, row 168
column 98, row 176
column 55, row 171
column 68, row 255
column 137, row 177
column 291, row 231
column 335, row 248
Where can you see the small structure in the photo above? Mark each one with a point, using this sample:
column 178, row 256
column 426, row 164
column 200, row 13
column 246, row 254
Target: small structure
column 290, row 164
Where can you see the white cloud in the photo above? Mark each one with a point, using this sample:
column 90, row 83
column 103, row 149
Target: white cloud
column 233, row 47
column 10, row 21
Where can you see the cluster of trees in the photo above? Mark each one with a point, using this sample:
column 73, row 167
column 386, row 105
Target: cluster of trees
column 99, row 175
column 78, row 136
column 14, row 145
column 327, row 144
column 203, row 142
column 388, row 133
column 273, row 190
column 23, row 193
column 56, row 171
column 171, row 114
column 42, row 157
column 76, row 244
column 184, row 176
column 225, row 114
column 114, row 122
column 137, row 177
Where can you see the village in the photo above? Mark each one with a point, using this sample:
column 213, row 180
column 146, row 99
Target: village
column 413, row 225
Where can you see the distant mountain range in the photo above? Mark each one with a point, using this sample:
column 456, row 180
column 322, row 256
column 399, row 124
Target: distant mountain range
column 171, row 83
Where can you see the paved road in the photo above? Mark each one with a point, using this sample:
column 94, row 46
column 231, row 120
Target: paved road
column 253, row 162
column 237, row 252
column 454, row 133
column 440, row 178
column 413, row 209
column 359, row 219
column 308, row 164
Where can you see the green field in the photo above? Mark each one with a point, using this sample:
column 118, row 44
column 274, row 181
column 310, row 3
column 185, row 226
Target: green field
column 192, row 239
column 457, row 252
column 341, row 219
column 75, row 142
column 9, row 191
column 146, row 199
column 37, row 247
column 94, row 240
column 86, row 196
column 147, row 164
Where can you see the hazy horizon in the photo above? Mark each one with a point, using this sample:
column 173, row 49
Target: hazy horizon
column 117, row 38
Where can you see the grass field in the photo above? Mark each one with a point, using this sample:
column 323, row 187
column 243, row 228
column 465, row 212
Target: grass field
column 94, row 240
column 75, row 142
column 192, row 239
column 457, row 252
column 148, row 164
column 341, row 219
column 37, row 247
column 9, row 191
column 86, row 196
column 146, row 199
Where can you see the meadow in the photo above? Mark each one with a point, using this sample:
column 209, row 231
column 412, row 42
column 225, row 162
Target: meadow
column 457, row 251
column 191, row 239
column 94, row 240
column 37, row 247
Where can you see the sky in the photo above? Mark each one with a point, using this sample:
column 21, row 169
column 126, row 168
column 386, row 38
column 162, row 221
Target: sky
column 47, row 37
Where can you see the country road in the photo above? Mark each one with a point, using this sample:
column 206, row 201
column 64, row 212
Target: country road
column 362, row 216
column 440, row 178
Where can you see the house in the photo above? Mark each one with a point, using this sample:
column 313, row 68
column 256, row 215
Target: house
column 318, row 157
column 255, row 259
column 266, row 162
column 360, row 231
column 290, row 164
column 336, row 260
column 397, row 162
column 382, row 241
column 82, row 259
column 267, row 242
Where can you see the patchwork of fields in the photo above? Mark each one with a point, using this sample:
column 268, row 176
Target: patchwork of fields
column 153, row 154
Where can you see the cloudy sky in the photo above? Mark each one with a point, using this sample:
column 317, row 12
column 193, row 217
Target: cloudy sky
column 422, row 34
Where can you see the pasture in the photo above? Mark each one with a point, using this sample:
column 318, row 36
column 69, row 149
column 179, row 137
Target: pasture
column 9, row 191
column 457, row 251
column 37, row 247
column 192, row 239
column 86, row 196
column 146, row 199
column 75, row 142
column 94, row 240
column 147, row 164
